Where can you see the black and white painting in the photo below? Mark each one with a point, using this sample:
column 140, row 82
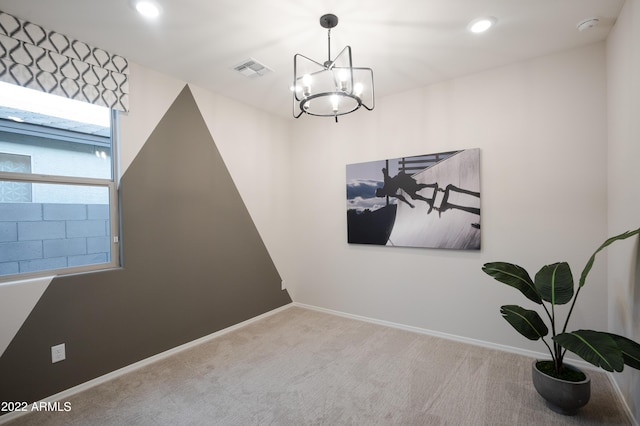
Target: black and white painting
column 430, row 200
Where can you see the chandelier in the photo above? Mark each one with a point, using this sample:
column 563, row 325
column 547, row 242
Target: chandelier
column 332, row 88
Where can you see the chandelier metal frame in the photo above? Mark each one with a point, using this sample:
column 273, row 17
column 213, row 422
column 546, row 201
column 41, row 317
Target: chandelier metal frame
column 334, row 87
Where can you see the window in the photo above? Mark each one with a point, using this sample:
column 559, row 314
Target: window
column 58, row 194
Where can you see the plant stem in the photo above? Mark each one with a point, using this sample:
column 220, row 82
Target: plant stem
column 557, row 359
column 547, row 311
column 559, row 353
column 575, row 297
column 550, row 351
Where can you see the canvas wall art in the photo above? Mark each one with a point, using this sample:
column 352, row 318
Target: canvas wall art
column 430, row 200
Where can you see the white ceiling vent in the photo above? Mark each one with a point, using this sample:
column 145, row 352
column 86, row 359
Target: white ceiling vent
column 252, row 68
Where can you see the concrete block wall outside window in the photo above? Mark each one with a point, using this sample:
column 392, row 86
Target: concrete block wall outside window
column 40, row 236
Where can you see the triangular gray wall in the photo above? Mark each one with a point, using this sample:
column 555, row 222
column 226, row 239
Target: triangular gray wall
column 194, row 264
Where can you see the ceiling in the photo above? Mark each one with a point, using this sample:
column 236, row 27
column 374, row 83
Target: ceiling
column 407, row 43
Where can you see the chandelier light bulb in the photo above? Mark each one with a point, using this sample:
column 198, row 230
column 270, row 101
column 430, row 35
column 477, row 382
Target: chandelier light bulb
column 335, row 102
column 343, row 76
column 306, row 81
column 358, row 88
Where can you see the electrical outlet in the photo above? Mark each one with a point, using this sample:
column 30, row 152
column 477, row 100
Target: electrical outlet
column 58, row 353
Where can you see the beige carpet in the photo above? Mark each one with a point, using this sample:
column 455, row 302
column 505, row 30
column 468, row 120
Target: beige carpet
column 302, row 367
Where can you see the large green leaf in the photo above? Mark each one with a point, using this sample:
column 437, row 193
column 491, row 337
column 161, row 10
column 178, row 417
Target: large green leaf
column 593, row 346
column 630, row 350
column 587, row 268
column 555, row 283
column 526, row 322
column 515, row 276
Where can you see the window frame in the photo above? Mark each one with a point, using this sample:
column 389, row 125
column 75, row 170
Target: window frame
column 112, row 186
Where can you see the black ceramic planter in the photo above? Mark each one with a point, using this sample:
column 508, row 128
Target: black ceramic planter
column 562, row 396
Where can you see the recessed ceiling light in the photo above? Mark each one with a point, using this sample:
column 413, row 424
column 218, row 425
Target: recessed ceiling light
column 147, row 8
column 481, row 25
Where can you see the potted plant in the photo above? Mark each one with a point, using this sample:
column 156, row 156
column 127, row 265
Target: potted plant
column 564, row 387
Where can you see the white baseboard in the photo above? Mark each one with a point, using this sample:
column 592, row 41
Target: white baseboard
column 461, row 339
column 532, row 354
column 66, row 394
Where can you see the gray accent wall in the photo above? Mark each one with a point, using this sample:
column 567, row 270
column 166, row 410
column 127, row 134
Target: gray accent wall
column 193, row 264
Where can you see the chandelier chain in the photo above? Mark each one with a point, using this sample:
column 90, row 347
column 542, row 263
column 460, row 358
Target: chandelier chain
column 329, row 45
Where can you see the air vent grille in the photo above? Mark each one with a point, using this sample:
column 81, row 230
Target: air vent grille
column 252, row 68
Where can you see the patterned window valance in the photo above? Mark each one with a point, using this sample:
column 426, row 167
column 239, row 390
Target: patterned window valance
column 36, row 58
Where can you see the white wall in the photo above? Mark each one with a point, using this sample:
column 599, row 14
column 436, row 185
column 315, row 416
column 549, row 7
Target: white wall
column 152, row 93
column 541, row 129
column 623, row 78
